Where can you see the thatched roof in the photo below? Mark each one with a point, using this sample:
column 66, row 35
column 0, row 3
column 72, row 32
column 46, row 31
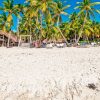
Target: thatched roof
column 12, row 37
column 3, row 33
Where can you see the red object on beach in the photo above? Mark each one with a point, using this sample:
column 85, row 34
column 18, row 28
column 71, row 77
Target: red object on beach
column 37, row 44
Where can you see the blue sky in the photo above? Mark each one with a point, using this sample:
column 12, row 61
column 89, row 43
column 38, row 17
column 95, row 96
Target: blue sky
column 65, row 18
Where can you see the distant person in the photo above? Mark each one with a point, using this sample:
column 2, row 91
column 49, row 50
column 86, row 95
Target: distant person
column 44, row 43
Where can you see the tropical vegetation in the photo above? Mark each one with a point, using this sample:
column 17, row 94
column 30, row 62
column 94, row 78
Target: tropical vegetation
column 43, row 20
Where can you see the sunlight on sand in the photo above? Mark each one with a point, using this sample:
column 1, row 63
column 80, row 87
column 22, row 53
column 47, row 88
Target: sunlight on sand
column 50, row 74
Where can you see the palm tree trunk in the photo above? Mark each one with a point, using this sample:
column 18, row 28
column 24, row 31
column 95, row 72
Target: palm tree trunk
column 40, row 29
column 87, row 39
column 30, row 35
column 75, row 37
column 3, row 41
column 8, row 43
column 18, row 30
column 30, row 29
column 61, row 32
column 63, row 36
column 81, row 30
column 93, row 38
column 18, row 27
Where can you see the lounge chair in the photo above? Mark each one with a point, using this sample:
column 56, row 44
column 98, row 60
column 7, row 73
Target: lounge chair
column 93, row 44
column 60, row 45
column 50, row 45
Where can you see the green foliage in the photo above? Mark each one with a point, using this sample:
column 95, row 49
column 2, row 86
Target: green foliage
column 43, row 19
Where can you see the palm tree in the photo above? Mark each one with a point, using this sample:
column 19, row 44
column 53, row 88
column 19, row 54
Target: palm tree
column 87, row 31
column 59, row 11
column 96, row 27
column 86, row 7
column 46, row 8
column 9, row 8
column 74, row 26
column 3, row 22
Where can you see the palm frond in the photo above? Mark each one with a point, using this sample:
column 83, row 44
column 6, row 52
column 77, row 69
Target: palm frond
column 95, row 3
column 65, row 7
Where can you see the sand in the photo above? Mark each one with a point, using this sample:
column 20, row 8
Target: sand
column 50, row 74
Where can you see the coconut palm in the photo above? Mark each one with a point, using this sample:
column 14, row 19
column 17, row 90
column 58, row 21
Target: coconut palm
column 59, row 11
column 9, row 8
column 3, row 22
column 43, row 19
column 87, row 31
column 86, row 7
column 96, row 27
column 74, row 26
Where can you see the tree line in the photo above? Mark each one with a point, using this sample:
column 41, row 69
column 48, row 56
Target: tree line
column 43, row 20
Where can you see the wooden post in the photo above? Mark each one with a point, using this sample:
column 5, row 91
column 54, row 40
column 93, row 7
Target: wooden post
column 30, row 39
column 19, row 41
column 3, row 41
column 8, row 44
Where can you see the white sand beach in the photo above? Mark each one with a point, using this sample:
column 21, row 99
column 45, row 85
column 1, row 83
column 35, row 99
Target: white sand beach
column 50, row 74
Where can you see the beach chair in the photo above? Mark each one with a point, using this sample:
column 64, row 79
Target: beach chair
column 93, row 44
column 83, row 45
column 49, row 45
column 61, row 45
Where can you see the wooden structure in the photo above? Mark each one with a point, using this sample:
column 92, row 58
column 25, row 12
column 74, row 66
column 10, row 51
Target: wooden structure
column 7, row 39
column 2, row 40
column 25, row 39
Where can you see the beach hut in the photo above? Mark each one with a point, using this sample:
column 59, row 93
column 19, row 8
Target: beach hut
column 7, row 39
